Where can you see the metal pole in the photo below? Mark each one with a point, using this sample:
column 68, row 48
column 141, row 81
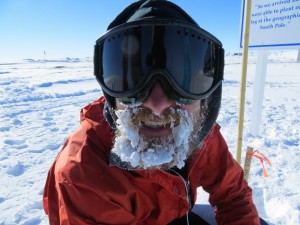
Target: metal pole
column 243, row 81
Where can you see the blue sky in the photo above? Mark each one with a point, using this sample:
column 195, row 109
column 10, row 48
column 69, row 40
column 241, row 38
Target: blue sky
column 69, row 28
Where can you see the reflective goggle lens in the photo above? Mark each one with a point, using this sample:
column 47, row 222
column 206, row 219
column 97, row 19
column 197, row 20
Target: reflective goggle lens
column 127, row 58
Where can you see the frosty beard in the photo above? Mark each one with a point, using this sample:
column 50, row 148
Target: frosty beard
column 156, row 152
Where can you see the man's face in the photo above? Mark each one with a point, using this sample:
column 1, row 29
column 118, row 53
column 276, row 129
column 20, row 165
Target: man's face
column 157, row 133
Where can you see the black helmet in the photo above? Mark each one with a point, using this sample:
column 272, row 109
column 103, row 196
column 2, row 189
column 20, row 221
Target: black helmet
column 154, row 40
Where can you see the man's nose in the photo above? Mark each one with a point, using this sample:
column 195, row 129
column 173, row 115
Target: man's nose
column 157, row 101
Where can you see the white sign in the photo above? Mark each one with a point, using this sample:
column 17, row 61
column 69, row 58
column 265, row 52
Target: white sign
column 274, row 23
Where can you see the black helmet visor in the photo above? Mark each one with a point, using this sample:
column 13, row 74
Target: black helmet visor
column 128, row 58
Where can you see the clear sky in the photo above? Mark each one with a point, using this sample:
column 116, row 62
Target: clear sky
column 69, row 28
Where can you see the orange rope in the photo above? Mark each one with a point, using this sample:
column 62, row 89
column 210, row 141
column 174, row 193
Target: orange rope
column 261, row 158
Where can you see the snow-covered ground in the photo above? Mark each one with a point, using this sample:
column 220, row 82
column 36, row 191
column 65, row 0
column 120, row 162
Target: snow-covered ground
column 40, row 102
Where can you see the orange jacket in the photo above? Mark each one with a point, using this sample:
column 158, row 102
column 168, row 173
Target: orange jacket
column 82, row 188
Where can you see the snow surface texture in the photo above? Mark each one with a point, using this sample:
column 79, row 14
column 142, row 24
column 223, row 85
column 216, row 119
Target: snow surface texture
column 40, row 102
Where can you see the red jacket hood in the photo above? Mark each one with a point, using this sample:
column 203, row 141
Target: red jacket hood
column 92, row 119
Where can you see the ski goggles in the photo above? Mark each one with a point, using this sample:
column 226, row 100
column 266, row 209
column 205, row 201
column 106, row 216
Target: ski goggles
column 129, row 58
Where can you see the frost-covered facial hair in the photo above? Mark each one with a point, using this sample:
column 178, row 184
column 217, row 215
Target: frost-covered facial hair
column 159, row 152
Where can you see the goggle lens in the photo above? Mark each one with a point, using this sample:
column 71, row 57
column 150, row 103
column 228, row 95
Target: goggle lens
column 190, row 59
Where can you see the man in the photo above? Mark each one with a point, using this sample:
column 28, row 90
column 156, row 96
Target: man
column 142, row 151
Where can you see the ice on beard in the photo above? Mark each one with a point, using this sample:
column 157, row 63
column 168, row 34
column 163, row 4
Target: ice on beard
column 132, row 148
column 183, row 130
column 126, row 128
column 157, row 157
column 135, row 159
